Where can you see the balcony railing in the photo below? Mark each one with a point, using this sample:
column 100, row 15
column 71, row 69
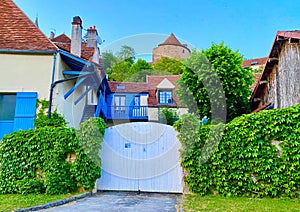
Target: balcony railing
column 127, row 112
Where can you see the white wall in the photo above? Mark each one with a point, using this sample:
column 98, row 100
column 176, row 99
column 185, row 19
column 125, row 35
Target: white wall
column 25, row 73
column 72, row 113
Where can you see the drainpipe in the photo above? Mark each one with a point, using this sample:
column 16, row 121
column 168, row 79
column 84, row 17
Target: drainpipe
column 52, row 82
column 52, row 88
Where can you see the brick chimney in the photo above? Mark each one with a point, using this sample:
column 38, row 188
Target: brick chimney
column 92, row 37
column 76, row 38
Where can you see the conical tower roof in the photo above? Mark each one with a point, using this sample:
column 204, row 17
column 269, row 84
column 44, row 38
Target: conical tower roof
column 171, row 40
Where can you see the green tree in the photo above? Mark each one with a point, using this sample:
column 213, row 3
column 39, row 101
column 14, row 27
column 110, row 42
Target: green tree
column 126, row 53
column 199, row 81
column 139, row 70
column 109, row 60
column 120, row 71
column 173, row 66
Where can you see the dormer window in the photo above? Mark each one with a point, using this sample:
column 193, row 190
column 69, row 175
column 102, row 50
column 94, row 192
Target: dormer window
column 165, row 97
column 254, row 63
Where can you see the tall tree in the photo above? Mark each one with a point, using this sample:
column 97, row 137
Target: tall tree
column 109, row 60
column 127, row 53
column 120, row 71
column 139, row 70
column 170, row 65
column 200, row 81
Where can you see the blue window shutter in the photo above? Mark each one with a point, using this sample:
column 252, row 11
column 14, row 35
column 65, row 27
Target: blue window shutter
column 25, row 110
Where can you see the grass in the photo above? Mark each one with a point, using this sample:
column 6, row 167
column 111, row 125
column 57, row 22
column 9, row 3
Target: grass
column 195, row 202
column 9, row 202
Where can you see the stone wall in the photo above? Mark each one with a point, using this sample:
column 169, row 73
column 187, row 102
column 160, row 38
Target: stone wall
column 171, row 51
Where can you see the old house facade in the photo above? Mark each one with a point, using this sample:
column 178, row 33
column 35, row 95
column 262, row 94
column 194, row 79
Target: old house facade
column 279, row 84
column 142, row 101
column 33, row 67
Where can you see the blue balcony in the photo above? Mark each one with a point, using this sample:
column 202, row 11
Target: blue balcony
column 127, row 112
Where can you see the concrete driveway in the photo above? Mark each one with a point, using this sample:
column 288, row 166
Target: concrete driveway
column 123, row 202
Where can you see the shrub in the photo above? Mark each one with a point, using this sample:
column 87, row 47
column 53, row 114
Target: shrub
column 168, row 116
column 246, row 161
column 37, row 161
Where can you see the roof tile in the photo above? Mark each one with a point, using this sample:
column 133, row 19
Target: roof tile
column 18, row 32
column 64, row 42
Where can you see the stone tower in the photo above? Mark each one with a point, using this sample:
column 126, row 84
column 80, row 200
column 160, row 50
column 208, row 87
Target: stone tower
column 171, row 48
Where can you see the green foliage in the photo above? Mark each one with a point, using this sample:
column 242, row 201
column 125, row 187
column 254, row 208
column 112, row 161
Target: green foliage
column 170, row 65
column 42, row 119
column 38, row 161
column 129, row 72
column 56, row 120
column 245, row 162
column 120, row 72
column 109, row 60
column 168, row 116
column 127, row 53
column 209, row 75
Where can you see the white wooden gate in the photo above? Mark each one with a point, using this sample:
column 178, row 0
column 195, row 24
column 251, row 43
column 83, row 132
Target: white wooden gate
column 141, row 156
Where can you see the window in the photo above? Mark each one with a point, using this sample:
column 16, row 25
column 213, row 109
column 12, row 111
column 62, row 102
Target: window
column 165, row 97
column 119, row 101
column 7, row 107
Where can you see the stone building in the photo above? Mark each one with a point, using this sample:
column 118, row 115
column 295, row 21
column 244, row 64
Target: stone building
column 171, row 48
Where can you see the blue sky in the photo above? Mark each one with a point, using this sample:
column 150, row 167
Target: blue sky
column 246, row 26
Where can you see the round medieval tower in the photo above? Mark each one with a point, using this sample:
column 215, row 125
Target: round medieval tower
column 171, row 48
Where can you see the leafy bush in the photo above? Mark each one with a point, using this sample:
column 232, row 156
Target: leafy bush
column 38, row 161
column 246, row 161
column 168, row 116
column 56, row 120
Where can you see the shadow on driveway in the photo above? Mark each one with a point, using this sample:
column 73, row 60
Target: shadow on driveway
column 123, row 202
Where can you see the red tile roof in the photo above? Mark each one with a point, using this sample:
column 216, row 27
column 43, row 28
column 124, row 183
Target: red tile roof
column 64, row 42
column 128, row 87
column 256, row 61
column 18, row 32
column 172, row 40
column 63, row 38
column 153, row 81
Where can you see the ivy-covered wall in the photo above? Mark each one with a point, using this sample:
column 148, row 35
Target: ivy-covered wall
column 51, row 159
column 257, row 155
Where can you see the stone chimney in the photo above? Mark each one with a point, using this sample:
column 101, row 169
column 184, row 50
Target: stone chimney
column 76, row 38
column 92, row 37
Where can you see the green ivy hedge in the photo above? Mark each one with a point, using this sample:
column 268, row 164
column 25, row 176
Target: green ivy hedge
column 246, row 162
column 40, row 160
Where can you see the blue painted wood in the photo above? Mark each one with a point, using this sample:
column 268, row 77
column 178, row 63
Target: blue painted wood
column 78, row 83
column 69, row 72
column 131, row 110
column 6, row 127
column 25, row 110
column 127, row 112
column 84, row 94
column 99, row 105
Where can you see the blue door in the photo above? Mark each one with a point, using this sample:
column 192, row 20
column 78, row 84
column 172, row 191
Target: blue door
column 25, row 110
column 17, row 111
